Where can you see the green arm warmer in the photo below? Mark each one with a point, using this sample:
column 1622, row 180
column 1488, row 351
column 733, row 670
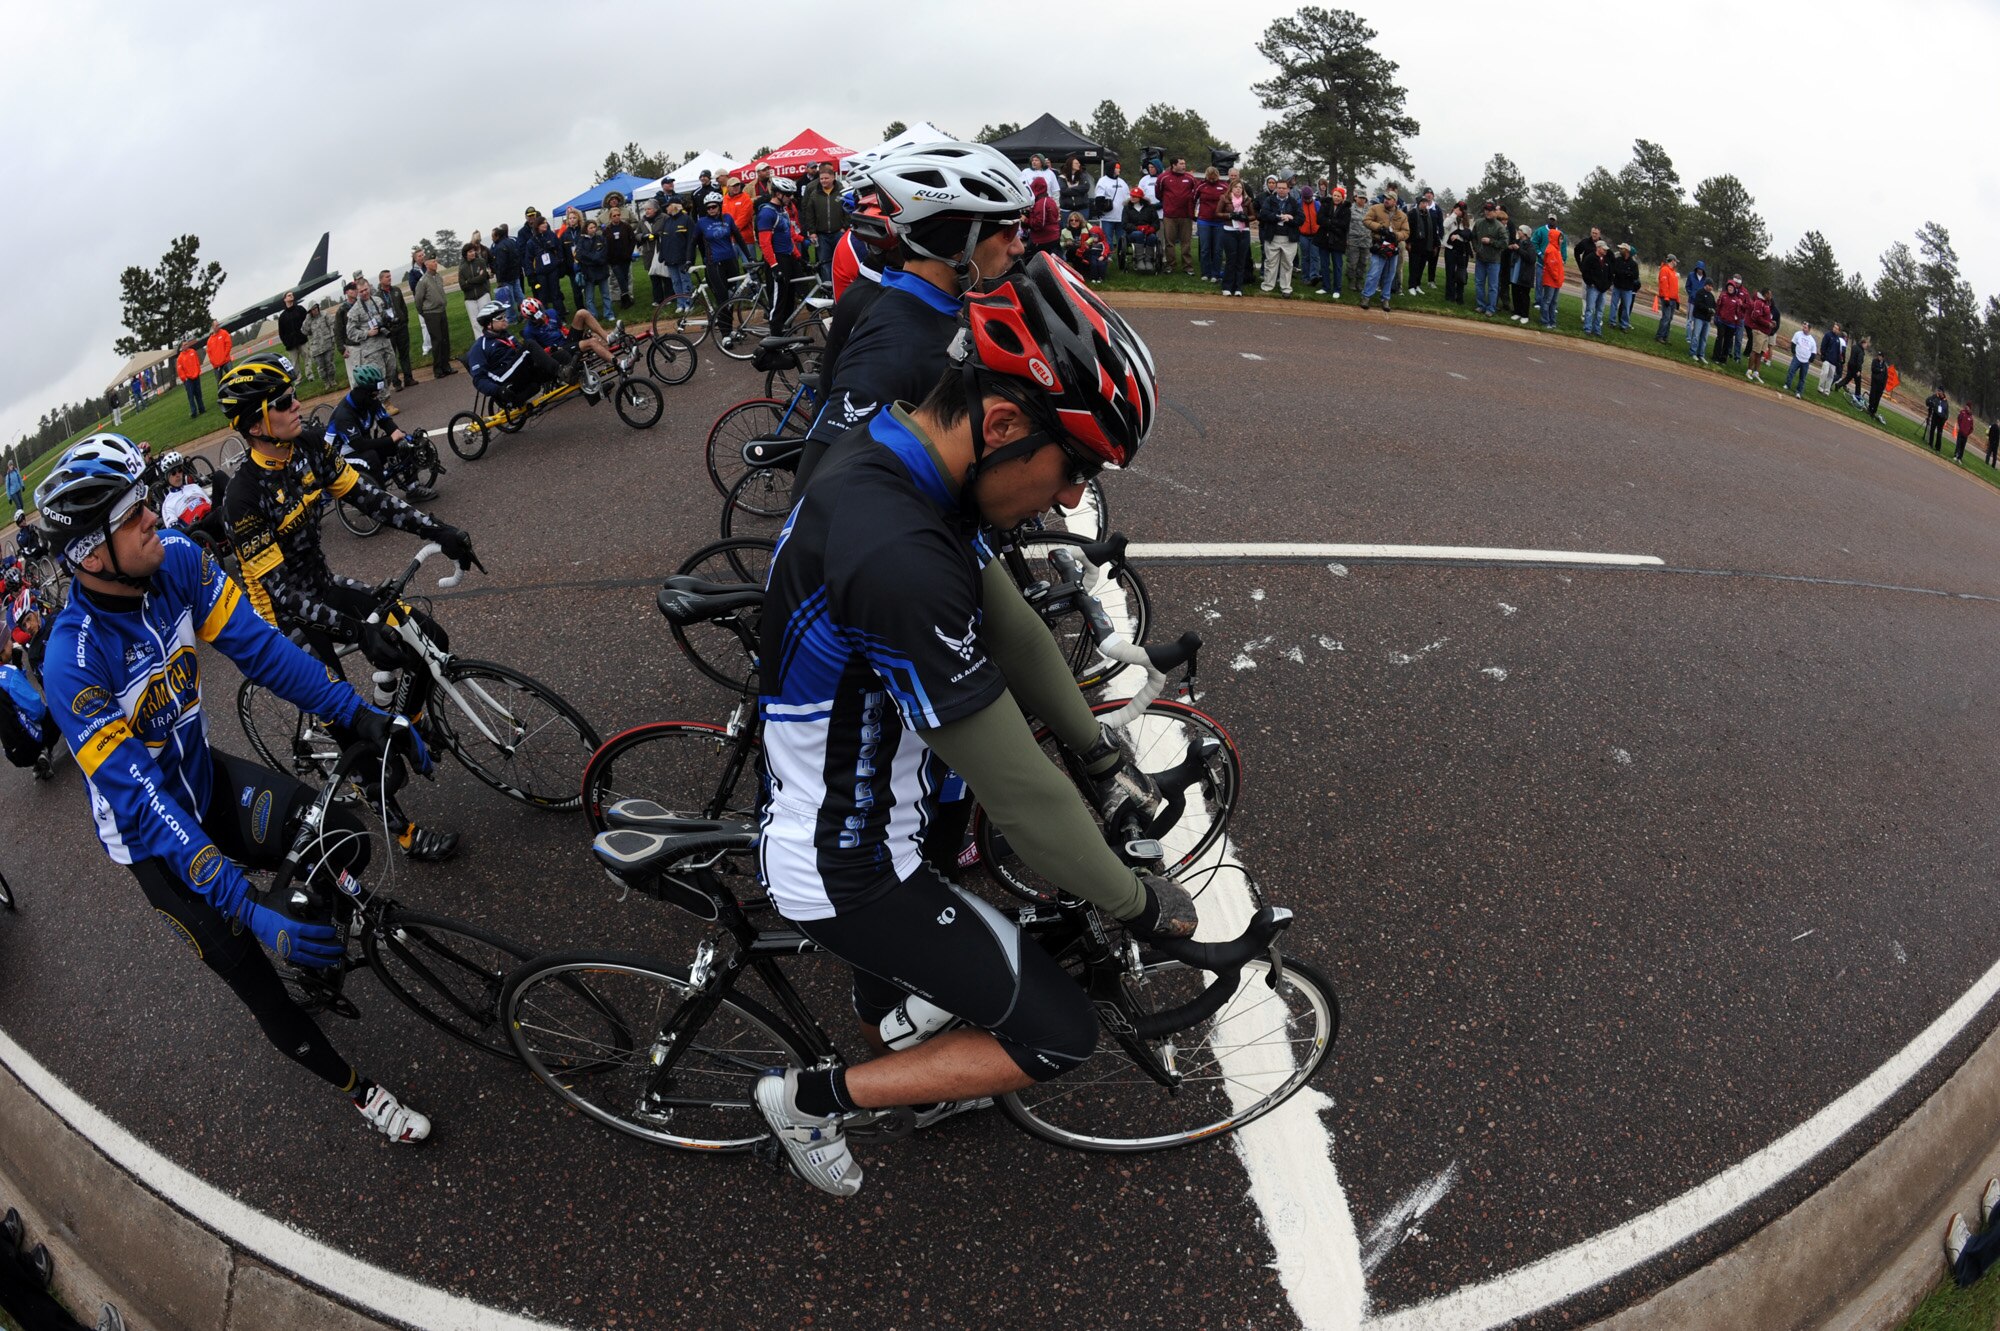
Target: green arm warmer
column 1042, row 813
column 1027, row 655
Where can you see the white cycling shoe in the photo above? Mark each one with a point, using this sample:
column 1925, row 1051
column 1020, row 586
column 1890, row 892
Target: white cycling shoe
column 944, row 1109
column 392, row 1118
column 817, row 1146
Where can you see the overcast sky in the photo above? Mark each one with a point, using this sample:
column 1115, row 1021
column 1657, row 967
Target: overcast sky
column 129, row 124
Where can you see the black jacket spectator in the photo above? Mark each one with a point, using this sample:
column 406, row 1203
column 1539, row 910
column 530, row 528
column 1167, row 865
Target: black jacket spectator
column 506, row 260
column 1075, row 193
column 291, row 329
column 1624, row 272
column 1333, row 225
column 1595, row 270
column 1426, row 228
column 1704, row 302
column 1268, row 209
column 621, row 241
column 591, row 263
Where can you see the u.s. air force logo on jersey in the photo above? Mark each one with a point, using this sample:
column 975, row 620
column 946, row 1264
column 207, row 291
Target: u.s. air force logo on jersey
column 965, row 646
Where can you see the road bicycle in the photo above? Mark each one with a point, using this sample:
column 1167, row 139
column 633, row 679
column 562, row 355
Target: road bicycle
column 746, row 307
column 670, row 1054
column 637, row 401
column 412, row 462
column 447, row 971
column 694, row 322
column 757, row 420
column 511, row 731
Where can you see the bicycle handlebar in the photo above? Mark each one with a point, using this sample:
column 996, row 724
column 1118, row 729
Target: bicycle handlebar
column 1226, row 960
column 390, row 590
column 1155, row 661
column 351, row 759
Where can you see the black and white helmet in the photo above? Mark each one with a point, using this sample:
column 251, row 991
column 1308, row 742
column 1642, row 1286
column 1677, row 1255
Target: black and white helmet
column 936, row 197
column 490, row 311
column 784, row 185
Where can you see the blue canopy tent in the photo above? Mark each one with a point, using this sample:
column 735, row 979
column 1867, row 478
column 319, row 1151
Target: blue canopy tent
column 593, row 198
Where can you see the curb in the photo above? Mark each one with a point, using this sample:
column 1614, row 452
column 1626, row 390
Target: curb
column 1863, row 1251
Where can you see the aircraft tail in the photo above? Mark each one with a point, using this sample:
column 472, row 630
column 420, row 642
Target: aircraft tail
column 316, row 266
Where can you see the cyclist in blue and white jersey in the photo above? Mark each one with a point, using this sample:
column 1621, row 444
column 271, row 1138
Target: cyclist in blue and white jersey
column 899, row 649
column 123, row 679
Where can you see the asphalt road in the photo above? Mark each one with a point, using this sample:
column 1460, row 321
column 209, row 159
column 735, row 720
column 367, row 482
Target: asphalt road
column 1620, row 874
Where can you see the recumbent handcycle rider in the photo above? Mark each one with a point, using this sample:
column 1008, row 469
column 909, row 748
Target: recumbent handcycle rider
column 510, row 369
column 124, row 682
column 363, row 433
column 272, row 506
column 895, row 646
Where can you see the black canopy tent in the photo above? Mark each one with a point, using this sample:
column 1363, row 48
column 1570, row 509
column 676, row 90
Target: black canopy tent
column 1051, row 138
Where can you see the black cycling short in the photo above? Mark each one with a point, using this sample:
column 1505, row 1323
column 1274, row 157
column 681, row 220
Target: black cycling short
column 930, row 938
column 253, row 813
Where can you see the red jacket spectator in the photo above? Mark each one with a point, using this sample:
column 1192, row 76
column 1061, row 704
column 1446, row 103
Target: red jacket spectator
column 1760, row 316
column 220, row 344
column 1206, row 196
column 1731, row 306
column 1044, row 216
column 1964, row 423
column 1176, row 191
column 188, row 364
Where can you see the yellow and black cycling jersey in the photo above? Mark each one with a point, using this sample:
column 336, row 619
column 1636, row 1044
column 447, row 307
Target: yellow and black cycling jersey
column 273, row 512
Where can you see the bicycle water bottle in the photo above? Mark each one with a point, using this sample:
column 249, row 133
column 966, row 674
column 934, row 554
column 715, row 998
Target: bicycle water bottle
column 384, row 688
column 913, row 1021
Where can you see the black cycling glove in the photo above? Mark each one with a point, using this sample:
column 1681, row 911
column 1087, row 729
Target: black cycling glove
column 384, row 647
column 457, row 547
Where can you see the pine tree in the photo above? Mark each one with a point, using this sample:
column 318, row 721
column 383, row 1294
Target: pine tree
column 1547, row 199
column 1503, row 181
column 1898, row 306
column 1109, row 127
column 1336, row 97
column 892, row 129
column 1182, row 133
column 167, row 304
column 1653, row 203
column 1726, row 230
column 1815, row 288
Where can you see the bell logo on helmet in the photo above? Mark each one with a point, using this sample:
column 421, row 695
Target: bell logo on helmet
column 1040, row 369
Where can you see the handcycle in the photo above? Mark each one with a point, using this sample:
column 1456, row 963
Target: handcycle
column 508, row 729
column 636, row 399
column 447, row 971
column 412, row 462
column 670, row 1054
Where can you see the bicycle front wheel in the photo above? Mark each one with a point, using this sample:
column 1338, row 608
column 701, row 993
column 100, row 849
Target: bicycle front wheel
column 670, row 358
column 1183, row 749
column 638, row 402
column 356, row 521
column 286, row 739
column 514, row 733
column 689, row 767
column 747, row 325
column 1257, row 1052
column 559, row 1007
column 467, row 435
column 691, row 324
column 448, row 972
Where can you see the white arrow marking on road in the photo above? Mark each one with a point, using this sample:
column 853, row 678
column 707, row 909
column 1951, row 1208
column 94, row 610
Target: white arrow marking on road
column 1249, row 355
column 1456, row 375
column 1202, row 323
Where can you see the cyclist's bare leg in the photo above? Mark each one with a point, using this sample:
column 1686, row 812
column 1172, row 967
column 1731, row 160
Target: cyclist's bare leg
column 599, row 348
column 963, row 1064
column 584, row 320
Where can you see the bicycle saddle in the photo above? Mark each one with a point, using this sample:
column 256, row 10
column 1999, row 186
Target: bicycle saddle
column 782, row 342
column 688, row 600
column 629, row 853
column 647, row 816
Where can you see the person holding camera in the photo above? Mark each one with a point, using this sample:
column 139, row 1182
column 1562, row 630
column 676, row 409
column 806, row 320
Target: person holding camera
column 1389, row 230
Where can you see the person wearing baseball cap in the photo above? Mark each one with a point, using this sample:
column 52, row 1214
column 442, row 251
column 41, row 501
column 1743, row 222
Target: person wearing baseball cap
column 1489, row 248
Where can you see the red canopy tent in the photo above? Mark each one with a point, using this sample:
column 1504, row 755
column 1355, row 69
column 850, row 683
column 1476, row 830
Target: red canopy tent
column 797, row 157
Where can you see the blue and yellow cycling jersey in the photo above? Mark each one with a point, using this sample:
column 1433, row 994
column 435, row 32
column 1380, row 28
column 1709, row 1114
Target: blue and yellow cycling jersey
column 123, row 681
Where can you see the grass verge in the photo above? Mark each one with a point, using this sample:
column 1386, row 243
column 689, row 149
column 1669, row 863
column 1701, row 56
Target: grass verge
column 1949, row 1308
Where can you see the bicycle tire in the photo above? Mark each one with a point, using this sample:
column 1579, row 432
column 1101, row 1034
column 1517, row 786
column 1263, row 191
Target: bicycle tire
column 546, row 779
column 692, row 325
column 752, row 419
column 1090, row 519
column 428, row 467
column 448, row 972
column 743, row 559
column 671, row 359
column 690, row 767
column 1123, row 597
column 744, row 317
column 467, row 435
column 233, row 451
column 200, row 467
column 638, row 402
column 762, row 492
column 284, row 738
column 720, row 1060
column 1111, row 1105
column 1161, row 739
column 355, row 520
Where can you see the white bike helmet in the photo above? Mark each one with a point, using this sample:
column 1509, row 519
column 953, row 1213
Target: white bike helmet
column 784, row 185
column 920, row 193
column 490, row 311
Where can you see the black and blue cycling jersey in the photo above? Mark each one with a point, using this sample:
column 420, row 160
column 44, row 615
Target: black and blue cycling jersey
column 123, row 681
column 896, row 353
column 871, row 619
column 353, row 424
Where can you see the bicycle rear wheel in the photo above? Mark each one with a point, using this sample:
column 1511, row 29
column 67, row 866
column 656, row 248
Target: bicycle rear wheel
column 670, row 358
column 693, row 325
column 1257, row 1052
column 448, row 972
column 1179, row 746
column 781, row 381
column 356, row 521
column 514, row 733
column 689, row 767
column 758, row 418
column 743, row 559
column 557, row 1008
column 1123, row 597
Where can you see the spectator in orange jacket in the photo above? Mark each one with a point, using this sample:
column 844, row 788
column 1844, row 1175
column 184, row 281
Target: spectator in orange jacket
column 1669, row 286
column 220, row 344
column 188, row 366
column 739, row 207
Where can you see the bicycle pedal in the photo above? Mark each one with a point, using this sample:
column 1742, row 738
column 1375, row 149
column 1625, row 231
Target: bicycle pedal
column 889, row 1125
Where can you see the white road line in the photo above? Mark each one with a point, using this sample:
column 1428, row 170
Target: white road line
column 1202, row 323
column 1597, row 1259
column 1398, row 1222
column 1249, row 355
column 1456, row 375
column 384, row 1293
column 1380, row 337
column 1448, row 553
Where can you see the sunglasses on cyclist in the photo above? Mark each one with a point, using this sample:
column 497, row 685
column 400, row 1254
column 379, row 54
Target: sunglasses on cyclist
column 1078, row 470
column 285, row 403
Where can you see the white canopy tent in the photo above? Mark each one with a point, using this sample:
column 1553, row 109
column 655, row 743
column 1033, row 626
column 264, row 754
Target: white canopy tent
column 688, row 174
column 921, row 132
